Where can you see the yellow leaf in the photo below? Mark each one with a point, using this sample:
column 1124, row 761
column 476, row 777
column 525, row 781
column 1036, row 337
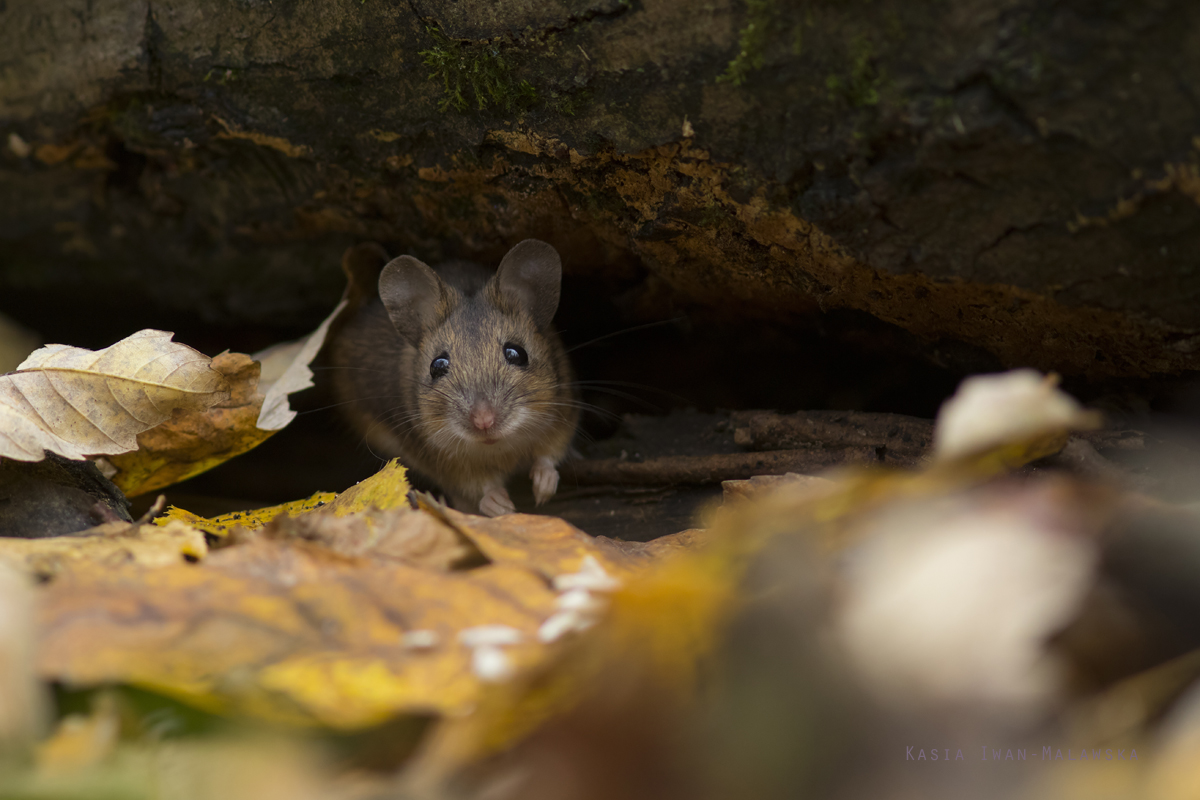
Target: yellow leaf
column 342, row 621
column 665, row 618
column 221, row 525
column 78, row 402
column 287, row 631
column 112, row 543
column 386, row 489
column 81, row 741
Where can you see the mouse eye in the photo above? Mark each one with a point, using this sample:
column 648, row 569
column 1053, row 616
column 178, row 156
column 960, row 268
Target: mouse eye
column 515, row 355
column 439, row 367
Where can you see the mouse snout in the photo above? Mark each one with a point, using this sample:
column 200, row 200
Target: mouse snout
column 483, row 416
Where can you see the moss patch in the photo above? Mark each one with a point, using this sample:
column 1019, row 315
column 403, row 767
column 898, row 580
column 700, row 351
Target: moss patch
column 475, row 73
column 861, row 84
column 752, row 43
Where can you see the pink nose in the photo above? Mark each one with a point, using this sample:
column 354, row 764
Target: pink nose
column 482, row 415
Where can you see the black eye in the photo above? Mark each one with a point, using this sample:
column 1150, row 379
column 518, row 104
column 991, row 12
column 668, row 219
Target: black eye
column 515, row 355
column 439, row 367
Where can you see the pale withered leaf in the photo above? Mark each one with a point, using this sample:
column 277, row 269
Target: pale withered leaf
column 78, row 402
column 285, row 371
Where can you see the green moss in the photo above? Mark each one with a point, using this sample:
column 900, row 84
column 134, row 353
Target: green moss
column 861, row 85
column 752, row 43
column 478, row 73
column 569, row 103
column 222, row 76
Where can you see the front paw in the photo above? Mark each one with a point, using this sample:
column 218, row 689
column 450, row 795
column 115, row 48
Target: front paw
column 496, row 502
column 545, row 480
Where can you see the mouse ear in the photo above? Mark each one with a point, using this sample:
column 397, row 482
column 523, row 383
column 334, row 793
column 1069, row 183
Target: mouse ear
column 531, row 275
column 410, row 292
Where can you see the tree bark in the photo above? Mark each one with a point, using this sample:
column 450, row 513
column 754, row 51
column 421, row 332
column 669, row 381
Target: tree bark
column 1016, row 175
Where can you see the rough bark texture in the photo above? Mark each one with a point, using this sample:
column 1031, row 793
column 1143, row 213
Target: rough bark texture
column 1018, row 175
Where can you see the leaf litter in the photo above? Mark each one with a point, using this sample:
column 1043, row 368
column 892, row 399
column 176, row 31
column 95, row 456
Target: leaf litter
column 608, row 662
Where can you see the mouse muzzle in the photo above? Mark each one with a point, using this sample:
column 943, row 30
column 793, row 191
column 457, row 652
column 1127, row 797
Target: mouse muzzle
column 483, row 421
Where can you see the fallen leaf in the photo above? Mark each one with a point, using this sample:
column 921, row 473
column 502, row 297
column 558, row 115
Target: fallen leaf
column 223, row 524
column 23, row 705
column 197, row 441
column 386, row 489
column 287, row 631
column 77, row 402
column 285, row 371
column 1002, row 421
column 108, row 545
column 663, row 620
column 81, row 741
column 401, row 534
column 365, row 619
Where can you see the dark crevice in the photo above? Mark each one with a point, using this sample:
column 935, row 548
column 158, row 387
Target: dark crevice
column 1001, row 100
column 129, row 167
column 152, row 42
column 1009, row 231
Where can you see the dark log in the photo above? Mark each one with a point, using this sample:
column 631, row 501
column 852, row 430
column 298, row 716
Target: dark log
column 1012, row 176
column 905, row 439
column 714, row 468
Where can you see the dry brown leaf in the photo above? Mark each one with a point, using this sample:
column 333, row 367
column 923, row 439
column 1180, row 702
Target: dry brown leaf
column 197, row 441
column 547, row 546
column 401, row 534
column 77, row 402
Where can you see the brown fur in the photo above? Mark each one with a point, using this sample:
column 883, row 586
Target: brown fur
column 387, row 393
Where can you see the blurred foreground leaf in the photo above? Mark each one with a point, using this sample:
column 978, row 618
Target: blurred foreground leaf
column 108, row 545
column 343, row 616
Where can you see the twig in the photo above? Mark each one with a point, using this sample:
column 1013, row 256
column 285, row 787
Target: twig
column 716, row 467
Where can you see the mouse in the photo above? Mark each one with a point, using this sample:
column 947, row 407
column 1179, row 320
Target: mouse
column 458, row 371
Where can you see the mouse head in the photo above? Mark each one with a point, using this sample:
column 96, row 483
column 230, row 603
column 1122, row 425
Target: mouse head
column 485, row 368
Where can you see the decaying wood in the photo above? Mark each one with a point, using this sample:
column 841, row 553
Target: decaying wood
column 716, row 467
column 740, row 490
column 904, row 438
column 810, row 442
column 985, row 179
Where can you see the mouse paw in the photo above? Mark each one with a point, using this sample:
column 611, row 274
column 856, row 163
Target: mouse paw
column 496, row 502
column 545, row 479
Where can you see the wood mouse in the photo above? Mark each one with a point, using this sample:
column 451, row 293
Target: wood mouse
column 458, row 371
